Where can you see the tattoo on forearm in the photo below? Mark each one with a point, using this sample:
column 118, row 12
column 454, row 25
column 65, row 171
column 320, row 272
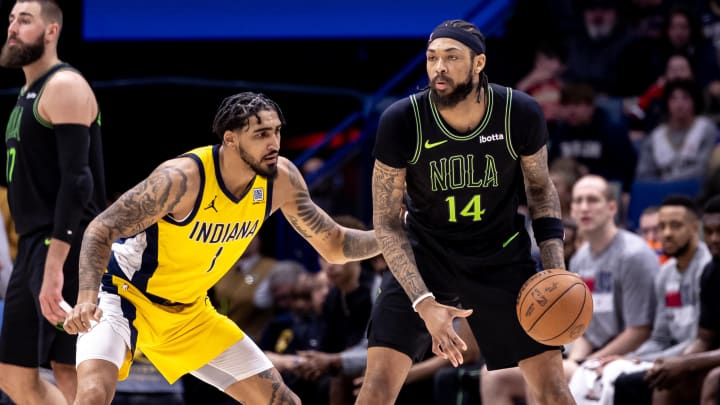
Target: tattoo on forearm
column 280, row 394
column 359, row 244
column 542, row 197
column 130, row 214
column 94, row 256
column 543, row 201
column 310, row 221
column 388, row 189
column 318, row 221
column 551, row 254
column 298, row 227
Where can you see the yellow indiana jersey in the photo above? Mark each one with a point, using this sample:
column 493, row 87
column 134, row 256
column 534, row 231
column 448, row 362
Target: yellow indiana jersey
column 178, row 260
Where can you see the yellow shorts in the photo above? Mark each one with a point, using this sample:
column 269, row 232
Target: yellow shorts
column 177, row 339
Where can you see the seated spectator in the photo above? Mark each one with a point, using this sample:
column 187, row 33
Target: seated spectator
column 605, row 53
column 306, row 330
column 588, row 136
column 650, row 103
column 679, row 379
column 683, row 34
column 619, row 268
column 543, row 81
column 345, row 314
column 564, row 172
column 677, row 293
column 281, row 283
column 649, row 230
column 681, row 148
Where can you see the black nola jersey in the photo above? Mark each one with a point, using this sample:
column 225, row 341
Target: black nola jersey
column 463, row 189
column 32, row 169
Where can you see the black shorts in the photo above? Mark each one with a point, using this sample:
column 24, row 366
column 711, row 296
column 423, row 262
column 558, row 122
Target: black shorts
column 490, row 292
column 27, row 338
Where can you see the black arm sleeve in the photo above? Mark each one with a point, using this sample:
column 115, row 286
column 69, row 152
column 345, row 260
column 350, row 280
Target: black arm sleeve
column 76, row 184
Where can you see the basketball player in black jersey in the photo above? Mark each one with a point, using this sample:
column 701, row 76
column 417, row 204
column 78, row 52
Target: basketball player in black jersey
column 55, row 187
column 460, row 153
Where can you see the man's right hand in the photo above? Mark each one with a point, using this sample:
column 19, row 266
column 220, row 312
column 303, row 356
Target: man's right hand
column 438, row 318
column 82, row 317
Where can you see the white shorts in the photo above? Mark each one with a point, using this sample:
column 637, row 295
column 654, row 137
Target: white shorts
column 110, row 339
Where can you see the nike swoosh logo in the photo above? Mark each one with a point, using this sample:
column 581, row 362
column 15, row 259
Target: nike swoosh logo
column 429, row 145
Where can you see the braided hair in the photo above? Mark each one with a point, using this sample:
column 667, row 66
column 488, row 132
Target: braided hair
column 235, row 111
column 475, row 31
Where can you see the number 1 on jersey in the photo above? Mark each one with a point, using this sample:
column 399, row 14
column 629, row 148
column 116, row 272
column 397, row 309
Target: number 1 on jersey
column 471, row 209
column 214, row 259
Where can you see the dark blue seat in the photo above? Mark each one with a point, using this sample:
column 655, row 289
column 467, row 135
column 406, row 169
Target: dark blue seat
column 646, row 193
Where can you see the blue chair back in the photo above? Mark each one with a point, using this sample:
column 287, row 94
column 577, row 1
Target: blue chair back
column 646, row 193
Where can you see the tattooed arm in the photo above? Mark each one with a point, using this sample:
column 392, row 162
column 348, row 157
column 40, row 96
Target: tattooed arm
column 388, row 187
column 171, row 189
column 543, row 202
column 337, row 244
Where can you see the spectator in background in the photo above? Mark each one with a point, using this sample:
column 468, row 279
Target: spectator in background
column 327, row 190
column 651, row 102
column 677, row 294
column 645, row 18
column 681, row 148
column 543, row 81
column 649, row 229
column 345, row 314
column 619, row 268
column 604, row 54
column 683, row 34
column 587, row 135
column 281, row 283
column 305, row 331
column 564, row 172
column 685, row 377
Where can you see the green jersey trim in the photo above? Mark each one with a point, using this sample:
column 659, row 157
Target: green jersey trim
column 418, row 130
column 449, row 133
column 508, row 109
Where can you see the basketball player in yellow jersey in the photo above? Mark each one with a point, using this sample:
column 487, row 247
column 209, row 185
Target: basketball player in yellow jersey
column 147, row 261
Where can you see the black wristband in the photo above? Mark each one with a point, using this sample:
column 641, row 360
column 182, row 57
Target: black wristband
column 548, row 228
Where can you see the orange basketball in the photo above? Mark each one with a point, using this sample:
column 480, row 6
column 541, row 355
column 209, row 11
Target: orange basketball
column 554, row 307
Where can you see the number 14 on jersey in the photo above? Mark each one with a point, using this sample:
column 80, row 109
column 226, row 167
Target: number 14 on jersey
column 471, row 209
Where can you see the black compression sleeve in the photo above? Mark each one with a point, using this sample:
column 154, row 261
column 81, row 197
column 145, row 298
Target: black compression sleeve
column 76, row 184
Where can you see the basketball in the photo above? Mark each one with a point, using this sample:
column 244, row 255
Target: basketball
column 554, row 307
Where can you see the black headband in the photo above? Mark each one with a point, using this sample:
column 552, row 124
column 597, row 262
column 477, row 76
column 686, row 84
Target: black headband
column 461, row 35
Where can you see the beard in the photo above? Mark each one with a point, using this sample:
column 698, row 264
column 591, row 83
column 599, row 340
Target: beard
column 458, row 94
column 22, row 54
column 270, row 171
column 681, row 250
